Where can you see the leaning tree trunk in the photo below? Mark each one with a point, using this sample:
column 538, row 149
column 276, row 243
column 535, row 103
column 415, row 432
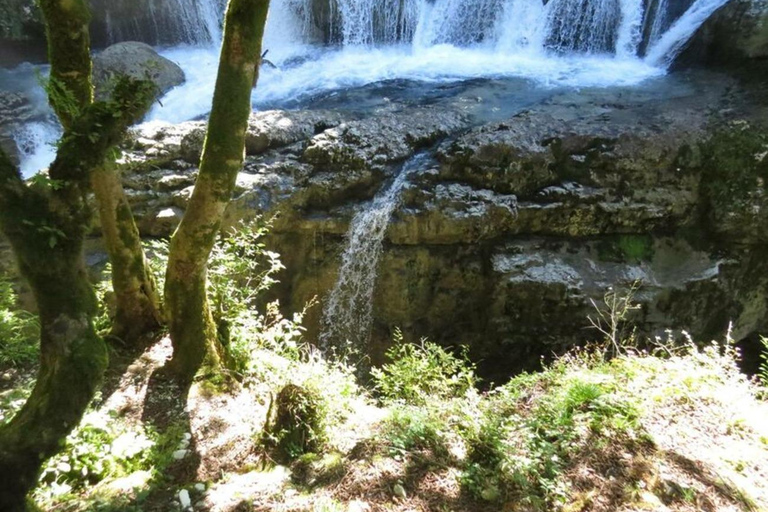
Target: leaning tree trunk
column 138, row 311
column 137, row 302
column 190, row 322
column 46, row 224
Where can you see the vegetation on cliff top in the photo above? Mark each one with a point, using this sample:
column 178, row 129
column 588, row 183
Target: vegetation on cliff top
column 680, row 429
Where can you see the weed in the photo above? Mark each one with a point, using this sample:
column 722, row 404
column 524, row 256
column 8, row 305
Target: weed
column 612, row 320
column 19, row 330
column 408, row 429
column 421, row 373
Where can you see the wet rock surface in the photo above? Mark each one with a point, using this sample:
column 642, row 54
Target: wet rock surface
column 735, row 36
column 506, row 237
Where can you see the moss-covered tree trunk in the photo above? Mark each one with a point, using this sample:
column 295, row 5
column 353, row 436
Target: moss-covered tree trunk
column 137, row 301
column 46, row 224
column 191, row 325
column 46, row 234
column 138, row 309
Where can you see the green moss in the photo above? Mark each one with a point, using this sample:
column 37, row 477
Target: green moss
column 734, row 172
column 626, row 248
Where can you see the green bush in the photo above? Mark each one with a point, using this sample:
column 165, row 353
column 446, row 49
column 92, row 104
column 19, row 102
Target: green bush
column 530, row 432
column 420, row 373
column 19, row 330
column 409, row 429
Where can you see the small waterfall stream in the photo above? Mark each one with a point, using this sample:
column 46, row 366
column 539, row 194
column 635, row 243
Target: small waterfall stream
column 347, row 315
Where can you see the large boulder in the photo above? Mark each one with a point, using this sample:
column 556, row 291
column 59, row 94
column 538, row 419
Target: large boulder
column 735, row 36
column 135, row 60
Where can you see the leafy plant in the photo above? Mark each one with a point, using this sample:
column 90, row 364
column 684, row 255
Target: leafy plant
column 422, row 372
column 19, row 329
column 98, row 448
column 522, row 454
column 410, row 429
column 240, row 269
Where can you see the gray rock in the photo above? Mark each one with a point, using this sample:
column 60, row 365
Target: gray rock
column 735, row 36
column 135, row 60
column 381, row 140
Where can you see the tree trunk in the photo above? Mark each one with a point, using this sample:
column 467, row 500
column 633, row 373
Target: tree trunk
column 46, row 225
column 190, row 322
column 73, row 359
column 138, row 310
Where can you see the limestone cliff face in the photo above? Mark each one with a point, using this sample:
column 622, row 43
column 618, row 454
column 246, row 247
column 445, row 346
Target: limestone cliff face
column 504, row 240
column 735, row 36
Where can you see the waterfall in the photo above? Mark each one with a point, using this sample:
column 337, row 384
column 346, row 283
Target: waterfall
column 619, row 27
column 347, row 318
column 162, row 22
column 669, row 45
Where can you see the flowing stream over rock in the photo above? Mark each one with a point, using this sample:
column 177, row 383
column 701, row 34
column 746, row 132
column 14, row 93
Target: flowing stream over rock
column 347, row 315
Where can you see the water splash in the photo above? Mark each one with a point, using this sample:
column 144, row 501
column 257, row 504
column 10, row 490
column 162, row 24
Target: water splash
column 347, row 316
column 37, row 145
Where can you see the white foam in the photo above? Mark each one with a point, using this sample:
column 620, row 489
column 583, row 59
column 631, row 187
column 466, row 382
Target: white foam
column 36, row 142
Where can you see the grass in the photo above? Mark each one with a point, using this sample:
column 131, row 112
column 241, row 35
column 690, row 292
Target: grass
column 19, row 330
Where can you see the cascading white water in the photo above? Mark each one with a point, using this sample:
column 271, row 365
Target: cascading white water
column 664, row 51
column 196, row 22
column 347, row 314
column 558, row 43
column 594, row 26
column 659, row 20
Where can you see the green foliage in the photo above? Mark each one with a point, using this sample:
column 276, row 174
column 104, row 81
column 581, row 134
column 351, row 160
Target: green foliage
column 95, row 450
column 60, row 97
column 532, row 429
column 421, row 373
column 636, row 247
column 409, row 428
column 19, row 330
column 240, row 268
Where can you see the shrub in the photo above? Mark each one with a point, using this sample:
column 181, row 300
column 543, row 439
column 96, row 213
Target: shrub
column 421, row 373
column 19, row 330
column 409, row 429
column 531, row 430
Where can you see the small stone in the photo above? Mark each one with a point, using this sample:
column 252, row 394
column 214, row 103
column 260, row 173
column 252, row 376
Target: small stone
column 6, row 377
column 184, row 444
column 200, row 487
column 180, row 454
column 184, row 499
column 187, row 436
column 399, row 491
